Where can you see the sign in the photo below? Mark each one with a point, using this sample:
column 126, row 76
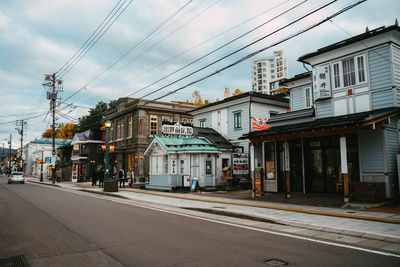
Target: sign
column 186, row 181
column 194, row 184
column 47, row 160
column 74, row 176
column 240, row 163
column 173, row 166
column 177, row 129
column 343, row 154
column 76, row 147
column 110, row 148
column 260, row 124
column 53, row 153
column 287, row 157
column 322, row 82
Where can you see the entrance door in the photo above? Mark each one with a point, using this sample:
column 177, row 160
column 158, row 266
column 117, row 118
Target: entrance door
column 208, row 176
column 270, row 177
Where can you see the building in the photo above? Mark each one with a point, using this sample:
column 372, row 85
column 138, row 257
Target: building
column 87, row 155
column 134, row 124
column 175, row 161
column 267, row 72
column 238, row 115
column 349, row 136
column 64, row 162
column 33, row 156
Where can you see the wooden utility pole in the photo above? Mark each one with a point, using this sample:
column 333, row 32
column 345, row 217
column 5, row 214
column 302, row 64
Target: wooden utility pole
column 55, row 86
column 9, row 152
column 21, row 132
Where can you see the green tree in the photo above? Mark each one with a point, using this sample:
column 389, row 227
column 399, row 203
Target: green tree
column 92, row 121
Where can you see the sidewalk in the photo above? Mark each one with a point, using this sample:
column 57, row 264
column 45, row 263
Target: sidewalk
column 343, row 222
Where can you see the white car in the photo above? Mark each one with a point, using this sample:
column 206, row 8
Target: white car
column 16, row 177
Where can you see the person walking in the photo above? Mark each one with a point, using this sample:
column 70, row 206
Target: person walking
column 131, row 176
column 101, row 177
column 121, row 176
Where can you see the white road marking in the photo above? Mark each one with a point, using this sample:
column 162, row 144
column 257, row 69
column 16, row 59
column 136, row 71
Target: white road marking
column 232, row 224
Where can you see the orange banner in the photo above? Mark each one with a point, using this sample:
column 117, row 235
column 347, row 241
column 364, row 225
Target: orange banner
column 260, row 124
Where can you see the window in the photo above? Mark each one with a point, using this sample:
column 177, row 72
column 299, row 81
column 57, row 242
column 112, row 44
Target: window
column 156, row 164
column 130, row 126
column 112, row 131
column 272, row 86
column 153, row 124
column 208, row 167
column 120, row 129
column 307, row 96
column 349, row 75
column 182, row 166
column 348, row 72
column 361, row 70
column 237, row 120
column 336, row 75
column 202, row 123
column 166, row 118
column 166, row 164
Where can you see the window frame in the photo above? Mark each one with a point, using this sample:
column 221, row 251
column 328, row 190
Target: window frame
column 309, row 97
column 130, row 126
column 357, row 72
column 202, row 123
column 153, row 131
column 237, row 123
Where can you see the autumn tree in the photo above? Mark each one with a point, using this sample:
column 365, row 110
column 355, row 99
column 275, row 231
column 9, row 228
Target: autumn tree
column 66, row 131
column 227, row 92
column 48, row 133
column 197, row 98
column 237, row 92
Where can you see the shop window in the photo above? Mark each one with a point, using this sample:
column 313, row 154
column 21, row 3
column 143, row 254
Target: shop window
column 130, row 125
column 237, row 120
column 153, row 124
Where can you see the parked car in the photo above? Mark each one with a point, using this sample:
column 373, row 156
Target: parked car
column 16, row 177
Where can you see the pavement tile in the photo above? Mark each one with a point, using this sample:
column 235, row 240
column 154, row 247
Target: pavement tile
column 373, row 243
column 393, row 239
column 373, row 236
column 332, row 230
column 392, row 247
column 309, row 232
column 352, row 233
column 330, row 236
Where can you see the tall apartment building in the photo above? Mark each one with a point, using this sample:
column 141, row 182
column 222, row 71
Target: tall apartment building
column 267, row 72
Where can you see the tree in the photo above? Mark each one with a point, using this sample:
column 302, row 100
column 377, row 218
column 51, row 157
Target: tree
column 92, row 121
column 237, row 92
column 66, row 131
column 48, row 133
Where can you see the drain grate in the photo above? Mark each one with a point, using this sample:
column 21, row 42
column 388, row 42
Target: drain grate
column 275, row 262
column 16, row 261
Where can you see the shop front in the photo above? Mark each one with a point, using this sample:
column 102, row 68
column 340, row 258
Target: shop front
column 329, row 155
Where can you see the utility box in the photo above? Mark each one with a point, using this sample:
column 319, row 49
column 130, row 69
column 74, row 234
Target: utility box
column 111, row 185
column 258, row 176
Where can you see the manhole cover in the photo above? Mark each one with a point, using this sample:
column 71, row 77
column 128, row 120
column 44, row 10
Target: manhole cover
column 275, row 262
column 16, row 261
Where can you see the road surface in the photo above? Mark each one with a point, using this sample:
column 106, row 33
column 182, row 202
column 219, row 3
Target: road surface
column 56, row 227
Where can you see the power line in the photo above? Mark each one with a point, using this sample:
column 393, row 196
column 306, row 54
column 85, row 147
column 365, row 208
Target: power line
column 95, row 41
column 128, row 51
column 242, row 48
column 263, row 49
column 90, row 37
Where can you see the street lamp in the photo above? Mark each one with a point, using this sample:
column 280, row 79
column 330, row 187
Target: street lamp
column 107, row 124
column 41, row 167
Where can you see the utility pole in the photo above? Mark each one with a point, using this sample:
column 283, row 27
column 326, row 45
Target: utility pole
column 21, row 123
column 54, row 85
column 9, row 153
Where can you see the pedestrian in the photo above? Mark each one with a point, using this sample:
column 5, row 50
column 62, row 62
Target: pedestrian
column 131, row 176
column 121, row 176
column 94, row 179
column 101, row 177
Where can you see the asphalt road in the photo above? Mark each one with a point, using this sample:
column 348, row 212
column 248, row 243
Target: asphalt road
column 51, row 227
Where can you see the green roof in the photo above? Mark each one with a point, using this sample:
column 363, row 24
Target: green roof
column 185, row 144
column 47, row 141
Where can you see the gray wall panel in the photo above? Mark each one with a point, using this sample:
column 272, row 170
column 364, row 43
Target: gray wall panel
column 379, row 68
column 323, row 109
column 392, row 149
column 382, row 99
column 371, row 150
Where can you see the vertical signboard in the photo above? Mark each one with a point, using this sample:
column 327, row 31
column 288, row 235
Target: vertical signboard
column 240, row 163
column 287, row 156
column 322, row 82
column 343, row 154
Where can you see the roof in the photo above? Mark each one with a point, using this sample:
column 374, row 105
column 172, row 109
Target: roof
column 88, row 136
column 65, row 145
column 291, row 115
column 348, row 41
column 49, row 141
column 296, row 77
column 175, row 144
column 358, row 119
column 214, row 137
column 246, row 94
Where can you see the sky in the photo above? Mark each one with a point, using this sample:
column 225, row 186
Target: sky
column 138, row 53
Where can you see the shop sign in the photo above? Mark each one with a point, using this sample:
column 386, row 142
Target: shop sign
column 173, row 166
column 177, row 129
column 260, row 124
column 74, row 176
column 47, row 160
column 240, row 163
column 287, row 156
column 322, row 82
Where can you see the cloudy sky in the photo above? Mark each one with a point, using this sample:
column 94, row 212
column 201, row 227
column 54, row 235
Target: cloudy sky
column 148, row 41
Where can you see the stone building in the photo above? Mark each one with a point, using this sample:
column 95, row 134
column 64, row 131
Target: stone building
column 134, row 123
